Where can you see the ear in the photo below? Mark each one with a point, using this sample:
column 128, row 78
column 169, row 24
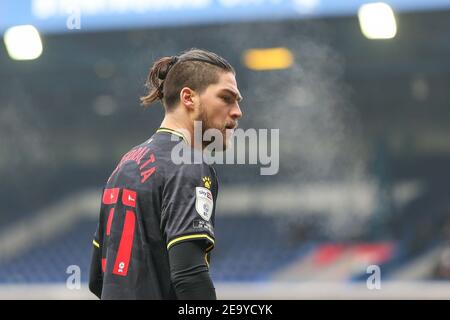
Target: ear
column 188, row 98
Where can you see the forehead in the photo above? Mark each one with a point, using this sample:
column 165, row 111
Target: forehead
column 227, row 82
column 227, row 79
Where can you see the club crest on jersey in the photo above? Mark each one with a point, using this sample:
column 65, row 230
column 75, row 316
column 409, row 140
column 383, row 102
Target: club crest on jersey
column 207, row 182
column 204, row 202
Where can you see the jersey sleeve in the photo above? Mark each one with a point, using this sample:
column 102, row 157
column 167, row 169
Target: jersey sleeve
column 96, row 269
column 95, row 272
column 188, row 205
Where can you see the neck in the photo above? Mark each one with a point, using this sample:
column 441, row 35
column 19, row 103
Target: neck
column 171, row 121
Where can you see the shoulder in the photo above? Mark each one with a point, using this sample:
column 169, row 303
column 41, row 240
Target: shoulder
column 191, row 172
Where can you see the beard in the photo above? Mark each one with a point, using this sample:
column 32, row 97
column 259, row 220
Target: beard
column 207, row 124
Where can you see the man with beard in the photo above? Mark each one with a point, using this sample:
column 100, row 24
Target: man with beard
column 156, row 224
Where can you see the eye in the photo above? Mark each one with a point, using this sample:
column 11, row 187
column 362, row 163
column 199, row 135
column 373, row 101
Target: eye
column 227, row 99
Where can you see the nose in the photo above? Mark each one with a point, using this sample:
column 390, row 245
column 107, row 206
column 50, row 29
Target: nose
column 236, row 112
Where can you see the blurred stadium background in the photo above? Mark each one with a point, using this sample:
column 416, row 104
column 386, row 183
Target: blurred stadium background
column 364, row 140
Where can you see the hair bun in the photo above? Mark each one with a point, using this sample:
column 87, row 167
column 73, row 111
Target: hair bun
column 162, row 73
column 164, row 70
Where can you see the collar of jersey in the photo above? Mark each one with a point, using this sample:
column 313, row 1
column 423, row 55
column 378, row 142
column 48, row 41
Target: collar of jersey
column 174, row 132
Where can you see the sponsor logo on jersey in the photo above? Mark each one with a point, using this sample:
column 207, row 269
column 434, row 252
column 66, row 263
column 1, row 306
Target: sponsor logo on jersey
column 202, row 224
column 204, row 203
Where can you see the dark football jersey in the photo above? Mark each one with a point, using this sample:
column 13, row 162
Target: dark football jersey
column 150, row 204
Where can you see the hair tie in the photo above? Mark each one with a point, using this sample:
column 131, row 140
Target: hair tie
column 174, row 60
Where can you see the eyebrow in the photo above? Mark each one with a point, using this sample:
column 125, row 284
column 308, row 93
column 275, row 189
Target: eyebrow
column 238, row 97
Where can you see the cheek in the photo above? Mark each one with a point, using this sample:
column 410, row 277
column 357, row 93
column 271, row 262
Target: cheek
column 218, row 116
column 221, row 120
column 222, row 113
